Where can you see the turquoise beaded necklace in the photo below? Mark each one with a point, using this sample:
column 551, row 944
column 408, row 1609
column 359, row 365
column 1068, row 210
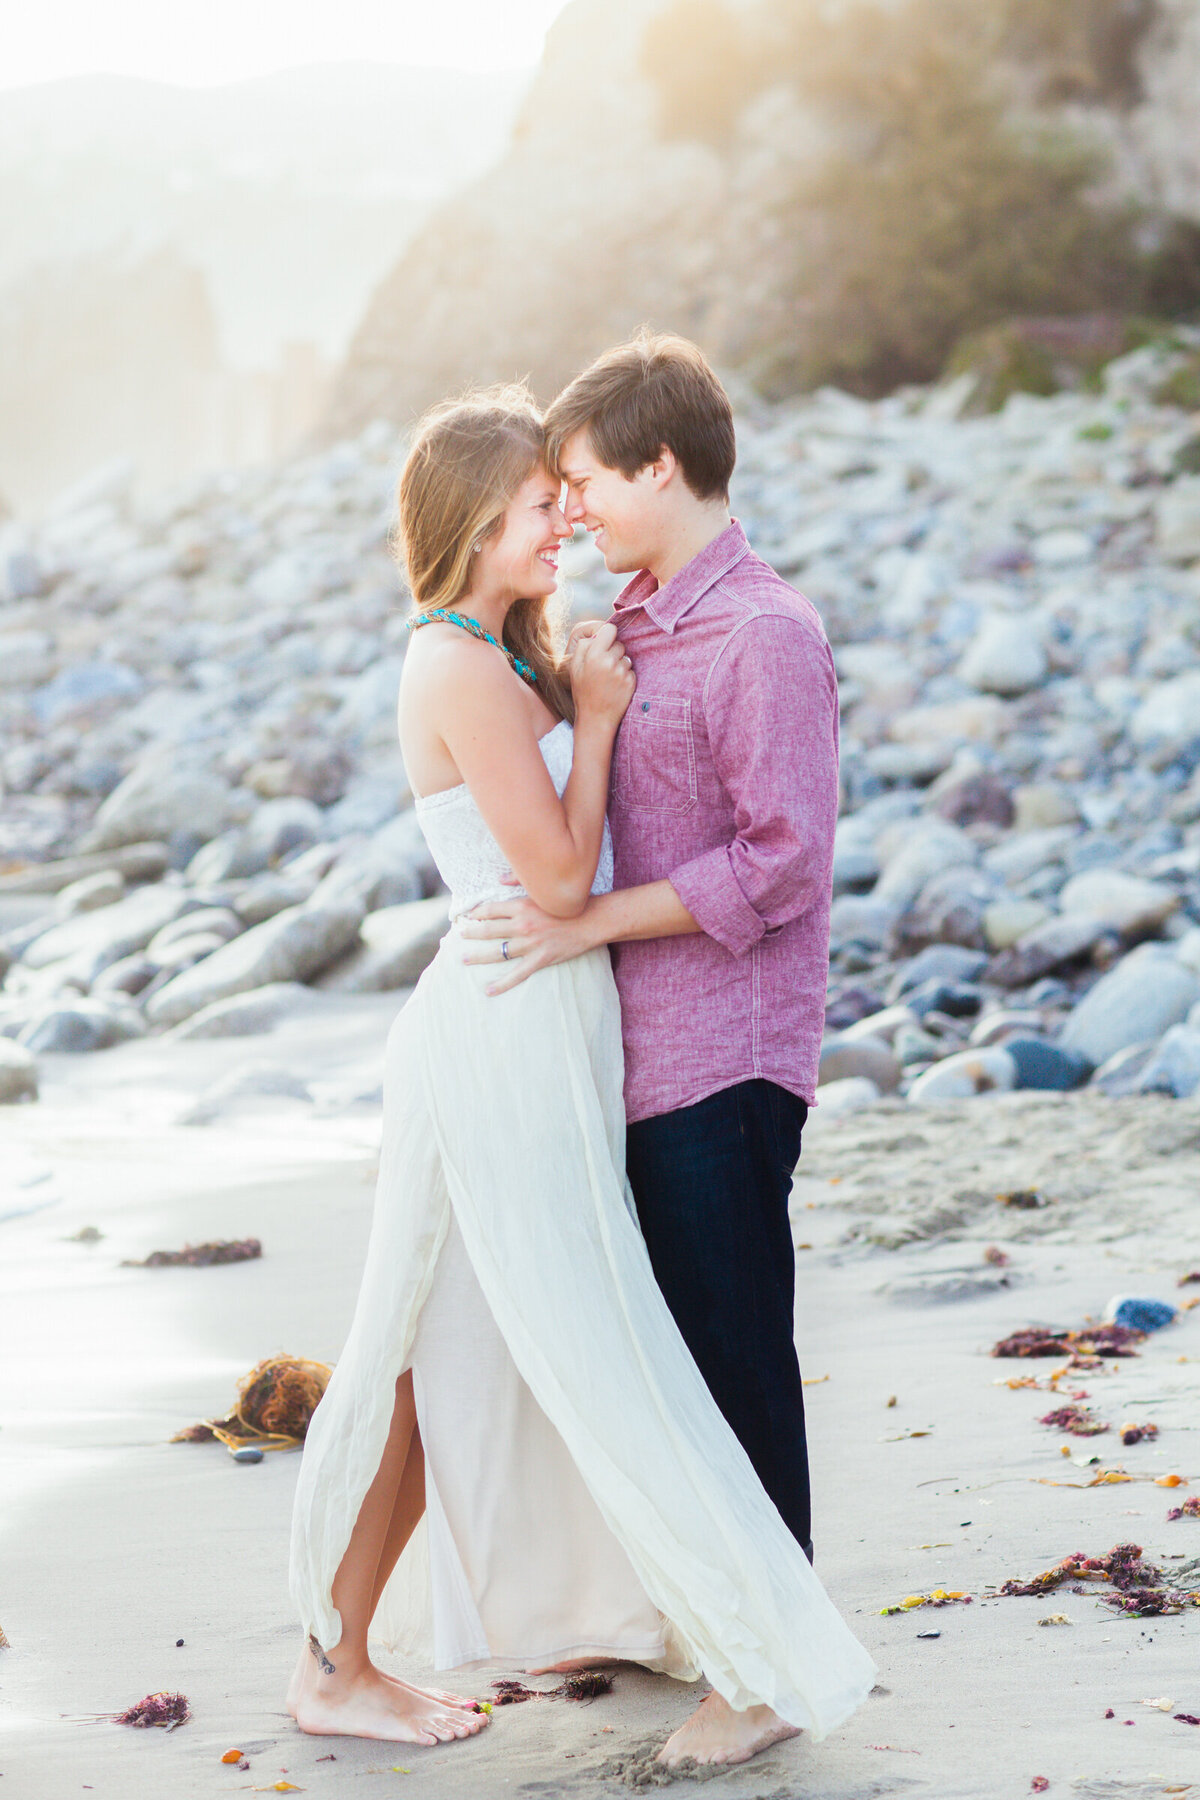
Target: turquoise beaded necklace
column 476, row 630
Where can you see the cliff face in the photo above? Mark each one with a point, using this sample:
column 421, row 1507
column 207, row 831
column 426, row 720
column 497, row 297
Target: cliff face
column 565, row 245
column 625, row 195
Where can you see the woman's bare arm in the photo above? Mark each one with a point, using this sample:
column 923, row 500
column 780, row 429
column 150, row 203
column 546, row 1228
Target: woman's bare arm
column 469, row 697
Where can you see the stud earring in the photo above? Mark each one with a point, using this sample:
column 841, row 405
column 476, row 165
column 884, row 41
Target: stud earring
column 477, row 548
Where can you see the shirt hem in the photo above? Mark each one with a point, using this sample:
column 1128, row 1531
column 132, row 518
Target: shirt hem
column 704, row 1090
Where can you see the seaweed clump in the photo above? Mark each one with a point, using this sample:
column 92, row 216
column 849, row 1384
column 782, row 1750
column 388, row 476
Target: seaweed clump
column 1138, row 1587
column 275, row 1404
column 168, row 1710
column 199, row 1256
column 1083, row 1348
column 1080, row 1421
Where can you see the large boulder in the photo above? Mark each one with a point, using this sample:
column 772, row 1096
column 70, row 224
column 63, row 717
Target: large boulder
column 156, row 801
column 293, row 946
column 1135, row 1003
column 81, row 1026
column 398, row 944
column 111, row 932
column 277, row 829
column 244, row 1015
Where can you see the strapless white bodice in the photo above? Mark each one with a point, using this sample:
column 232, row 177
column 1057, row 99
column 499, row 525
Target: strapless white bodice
column 469, row 860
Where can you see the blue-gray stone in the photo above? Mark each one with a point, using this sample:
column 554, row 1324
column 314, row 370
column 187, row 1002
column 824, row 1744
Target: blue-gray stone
column 84, row 685
column 1040, row 1064
column 944, row 963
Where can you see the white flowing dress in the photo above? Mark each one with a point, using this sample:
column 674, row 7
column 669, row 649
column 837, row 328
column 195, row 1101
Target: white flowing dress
column 584, row 1493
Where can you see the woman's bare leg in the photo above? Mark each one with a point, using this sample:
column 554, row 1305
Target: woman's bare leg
column 406, row 1516
column 343, row 1693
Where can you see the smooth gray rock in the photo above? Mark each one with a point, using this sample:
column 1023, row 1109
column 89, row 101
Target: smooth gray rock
column 963, row 1076
column 156, row 801
column 1044, row 948
column 136, row 862
column 244, row 1015
column 1145, row 994
column 76, row 689
column 1122, row 1072
column 293, row 946
column 272, row 893
column 104, row 888
column 1170, row 712
column 1175, row 1066
column 938, row 962
column 846, row 1095
column 398, row 944
column 1127, row 903
column 111, row 932
column 83, row 1026
column 18, row 1073
column 277, row 828
column 1043, row 1065
column 128, row 976
column 918, row 852
column 251, row 1081
column 1007, row 656
column 872, row 1058
column 221, row 921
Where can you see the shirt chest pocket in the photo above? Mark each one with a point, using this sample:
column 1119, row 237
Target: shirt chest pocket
column 655, row 763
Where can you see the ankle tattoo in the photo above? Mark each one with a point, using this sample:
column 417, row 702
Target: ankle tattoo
column 326, row 1667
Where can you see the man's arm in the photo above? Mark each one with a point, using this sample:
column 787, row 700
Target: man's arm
column 535, row 940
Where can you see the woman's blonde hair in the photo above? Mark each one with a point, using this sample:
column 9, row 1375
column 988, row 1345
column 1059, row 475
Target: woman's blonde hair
column 466, row 462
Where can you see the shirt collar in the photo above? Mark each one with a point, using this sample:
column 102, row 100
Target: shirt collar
column 667, row 605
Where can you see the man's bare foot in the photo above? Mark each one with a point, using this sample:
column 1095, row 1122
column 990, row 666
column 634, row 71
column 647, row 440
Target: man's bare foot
column 305, row 1667
column 717, row 1734
column 572, row 1663
column 364, row 1702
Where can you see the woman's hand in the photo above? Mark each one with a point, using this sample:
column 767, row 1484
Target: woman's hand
column 602, row 678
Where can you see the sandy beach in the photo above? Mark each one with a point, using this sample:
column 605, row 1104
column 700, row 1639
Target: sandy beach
column 117, row 1543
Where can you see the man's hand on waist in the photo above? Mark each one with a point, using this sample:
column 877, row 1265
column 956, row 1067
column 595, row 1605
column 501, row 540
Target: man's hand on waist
column 520, row 938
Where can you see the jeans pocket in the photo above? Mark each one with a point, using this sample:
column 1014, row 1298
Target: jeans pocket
column 655, row 764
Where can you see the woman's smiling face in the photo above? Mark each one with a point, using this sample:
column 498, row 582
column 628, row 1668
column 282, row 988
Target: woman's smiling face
column 520, row 561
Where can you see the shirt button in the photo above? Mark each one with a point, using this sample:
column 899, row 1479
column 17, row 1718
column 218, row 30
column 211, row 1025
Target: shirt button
column 645, row 706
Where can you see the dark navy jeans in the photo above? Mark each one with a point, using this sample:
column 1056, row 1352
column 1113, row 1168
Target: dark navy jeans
column 711, row 1183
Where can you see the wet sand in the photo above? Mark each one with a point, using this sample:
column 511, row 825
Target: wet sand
column 117, row 1543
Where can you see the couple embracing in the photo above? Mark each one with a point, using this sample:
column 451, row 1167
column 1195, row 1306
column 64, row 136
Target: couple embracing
column 572, row 1362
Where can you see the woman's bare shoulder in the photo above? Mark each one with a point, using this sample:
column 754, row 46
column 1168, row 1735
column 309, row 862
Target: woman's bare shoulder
column 454, row 670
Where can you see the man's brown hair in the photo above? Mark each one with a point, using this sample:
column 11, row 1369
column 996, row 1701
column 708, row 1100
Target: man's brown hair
column 655, row 390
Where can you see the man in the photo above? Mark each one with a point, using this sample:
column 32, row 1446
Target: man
column 723, row 805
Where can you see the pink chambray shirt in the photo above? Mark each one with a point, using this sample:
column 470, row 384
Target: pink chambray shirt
column 724, row 782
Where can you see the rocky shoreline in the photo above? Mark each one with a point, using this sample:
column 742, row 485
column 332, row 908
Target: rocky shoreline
column 204, row 807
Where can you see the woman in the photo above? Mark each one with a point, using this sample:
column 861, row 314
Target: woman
column 512, row 1366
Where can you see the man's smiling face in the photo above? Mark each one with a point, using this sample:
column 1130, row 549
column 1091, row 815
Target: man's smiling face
column 621, row 514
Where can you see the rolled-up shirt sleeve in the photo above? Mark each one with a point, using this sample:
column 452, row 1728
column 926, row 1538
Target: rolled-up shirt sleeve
column 771, row 713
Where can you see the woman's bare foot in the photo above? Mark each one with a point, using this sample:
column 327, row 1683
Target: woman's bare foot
column 572, row 1663
column 304, row 1666
column 361, row 1701
column 462, row 1701
column 717, row 1734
